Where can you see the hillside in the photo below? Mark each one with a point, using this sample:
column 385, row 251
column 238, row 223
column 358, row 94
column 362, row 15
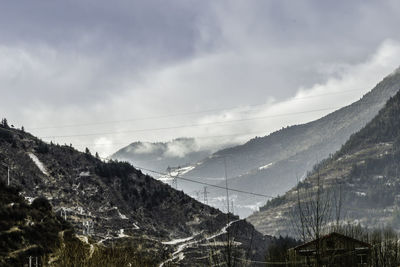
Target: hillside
column 33, row 232
column 26, row 230
column 269, row 165
column 112, row 202
column 367, row 168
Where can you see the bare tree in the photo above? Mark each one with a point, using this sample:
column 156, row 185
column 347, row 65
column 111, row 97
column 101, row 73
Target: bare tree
column 316, row 209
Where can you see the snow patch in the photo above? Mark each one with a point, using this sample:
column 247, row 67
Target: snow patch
column 361, row 194
column 176, row 172
column 84, row 174
column 38, row 163
column 253, row 207
column 222, row 231
column 188, row 242
column 122, row 216
column 178, row 254
column 266, row 166
column 177, row 241
column 121, row 233
column 181, row 171
column 29, row 199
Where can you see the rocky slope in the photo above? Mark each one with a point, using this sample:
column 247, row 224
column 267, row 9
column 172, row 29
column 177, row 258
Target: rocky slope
column 367, row 169
column 111, row 202
column 26, row 230
column 34, row 233
column 269, row 165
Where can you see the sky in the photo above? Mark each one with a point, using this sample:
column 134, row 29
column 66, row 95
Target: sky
column 103, row 74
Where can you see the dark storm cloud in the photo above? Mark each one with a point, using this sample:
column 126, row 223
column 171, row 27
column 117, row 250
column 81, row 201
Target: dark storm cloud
column 109, row 39
column 165, row 29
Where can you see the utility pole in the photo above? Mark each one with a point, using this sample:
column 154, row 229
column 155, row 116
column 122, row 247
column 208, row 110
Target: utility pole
column 174, row 179
column 64, row 212
column 226, row 187
column 228, row 238
column 175, row 183
column 88, row 227
column 8, row 173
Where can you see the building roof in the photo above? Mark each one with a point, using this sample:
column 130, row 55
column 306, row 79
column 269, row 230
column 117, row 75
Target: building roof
column 333, row 234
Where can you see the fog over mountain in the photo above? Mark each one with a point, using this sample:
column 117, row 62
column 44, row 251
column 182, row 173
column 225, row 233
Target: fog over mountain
column 159, row 156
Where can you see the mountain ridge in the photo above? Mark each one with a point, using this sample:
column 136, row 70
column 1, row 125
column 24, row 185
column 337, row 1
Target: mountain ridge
column 111, row 202
column 159, row 156
column 367, row 167
column 292, row 151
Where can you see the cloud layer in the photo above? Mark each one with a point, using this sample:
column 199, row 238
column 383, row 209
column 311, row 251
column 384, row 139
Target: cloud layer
column 89, row 63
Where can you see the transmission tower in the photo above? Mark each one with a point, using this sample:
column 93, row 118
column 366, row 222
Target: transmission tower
column 88, row 227
column 205, row 195
column 174, row 179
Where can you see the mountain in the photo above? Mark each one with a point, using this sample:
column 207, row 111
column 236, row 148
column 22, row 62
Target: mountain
column 112, row 205
column 161, row 155
column 26, row 230
column 366, row 167
column 272, row 164
column 34, row 233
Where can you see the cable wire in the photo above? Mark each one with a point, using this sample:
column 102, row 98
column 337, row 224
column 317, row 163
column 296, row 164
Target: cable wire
column 189, row 125
column 203, row 183
column 178, row 114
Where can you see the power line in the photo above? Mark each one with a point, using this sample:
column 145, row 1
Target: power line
column 203, row 183
column 190, row 125
column 178, row 114
column 194, row 137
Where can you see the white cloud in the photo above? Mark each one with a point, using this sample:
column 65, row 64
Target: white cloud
column 104, row 146
column 346, row 85
column 145, row 148
column 194, row 84
column 247, row 57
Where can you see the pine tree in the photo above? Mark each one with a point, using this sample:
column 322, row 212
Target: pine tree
column 4, row 123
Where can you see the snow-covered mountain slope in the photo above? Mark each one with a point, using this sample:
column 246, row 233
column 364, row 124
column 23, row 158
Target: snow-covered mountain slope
column 159, row 156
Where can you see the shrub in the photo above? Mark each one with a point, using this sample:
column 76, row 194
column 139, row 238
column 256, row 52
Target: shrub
column 41, row 203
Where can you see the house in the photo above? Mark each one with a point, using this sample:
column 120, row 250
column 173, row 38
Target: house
column 334, row 250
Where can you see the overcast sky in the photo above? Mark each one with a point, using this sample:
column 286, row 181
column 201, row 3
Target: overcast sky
column 103, row 74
